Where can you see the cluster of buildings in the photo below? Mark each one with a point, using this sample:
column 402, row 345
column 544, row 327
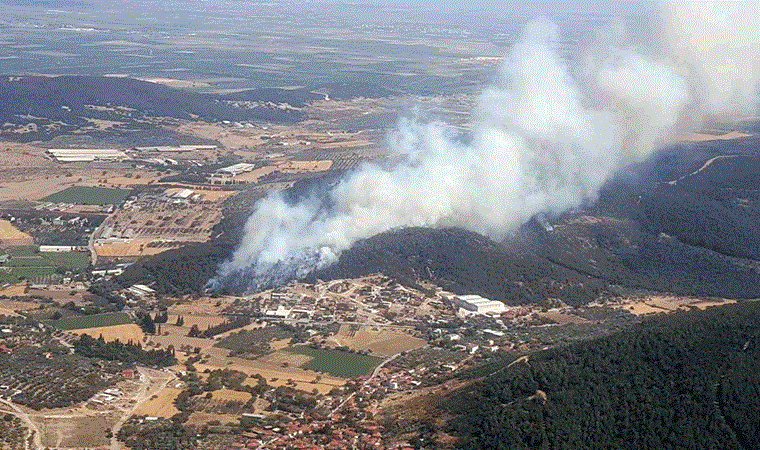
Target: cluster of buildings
column 71, row 155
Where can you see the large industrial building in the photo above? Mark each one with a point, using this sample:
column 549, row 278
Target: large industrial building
column 85, row 154
column 479, row 305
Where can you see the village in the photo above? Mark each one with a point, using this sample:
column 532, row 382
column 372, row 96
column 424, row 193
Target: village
column 320, row 364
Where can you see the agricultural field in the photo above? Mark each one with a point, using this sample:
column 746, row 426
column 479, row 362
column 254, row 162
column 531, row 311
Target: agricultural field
column 9, row 307
column 337, row 363
column 89, row 195
column 160, row 405
column 254, row 342
column 203, row 322
column 124, row 333
column 28, row 263
column 68, row 260
column 666, row 304
column 93, row 321
column 12, row 235
column 381, row 342
column 76, row 432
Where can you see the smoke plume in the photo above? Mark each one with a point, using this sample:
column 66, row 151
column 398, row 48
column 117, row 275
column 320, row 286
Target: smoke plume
column 717, row 44
column 544, row 139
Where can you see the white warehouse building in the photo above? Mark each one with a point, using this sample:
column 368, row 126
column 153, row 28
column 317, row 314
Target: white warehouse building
column 479, row 305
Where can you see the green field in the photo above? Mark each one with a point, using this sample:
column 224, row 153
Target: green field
column 85, row 195
column 27, row 262
column 337, row 363
column 95, row 320
column 68, row 260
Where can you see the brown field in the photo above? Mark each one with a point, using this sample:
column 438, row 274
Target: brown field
column 346, row 144
column 254, row 175
column 10, row 235
column 229, row 137
column 563, row 319
column 178, row 337
column 15, row 290
column 27, row 175
column 133, row 248
column 271, row 368
column 305, row 166
column 203, row 322
column 75, row 432
column 62, row 296
column 667, row 304
column 229, row 394
column 161, row 406
column 124, row 333
column 202, row 306
column 201, row 418
column 382, row 342
column 119, row 180
column 704, row 304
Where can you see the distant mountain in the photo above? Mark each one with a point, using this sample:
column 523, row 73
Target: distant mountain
column 63, row 104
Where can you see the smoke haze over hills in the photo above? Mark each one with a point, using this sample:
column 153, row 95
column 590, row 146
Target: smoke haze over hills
column 545, row 137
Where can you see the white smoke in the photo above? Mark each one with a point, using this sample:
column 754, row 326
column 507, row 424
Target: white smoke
column 540, row 143
column 718, row 44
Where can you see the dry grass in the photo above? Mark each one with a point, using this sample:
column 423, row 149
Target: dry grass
column 305, row 166
column 161, row 406
column 133, row 248
column 382, row 342
column 116, row 180
column 15, row 290
column 203, row 322
column 230, row 395
column 124, row 333
column 275, row 374
column 75, row 432
column 254, row 175
column 667, row 304
column 10, row 235
column 202, row 306
column 201, row 418
column 563, row 319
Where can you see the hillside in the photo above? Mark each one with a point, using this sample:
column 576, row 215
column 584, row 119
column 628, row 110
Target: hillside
column 684, row 381
column 672, row 224
column 64, row 104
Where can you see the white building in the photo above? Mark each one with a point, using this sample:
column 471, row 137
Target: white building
column 62, row 248
column 237, row 169
column 86, row 154
column 141, row 290
column 479, row 305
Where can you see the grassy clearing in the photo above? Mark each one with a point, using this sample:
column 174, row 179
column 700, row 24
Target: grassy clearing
column 336, row 362
column 93, row 321
column 85, row 195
